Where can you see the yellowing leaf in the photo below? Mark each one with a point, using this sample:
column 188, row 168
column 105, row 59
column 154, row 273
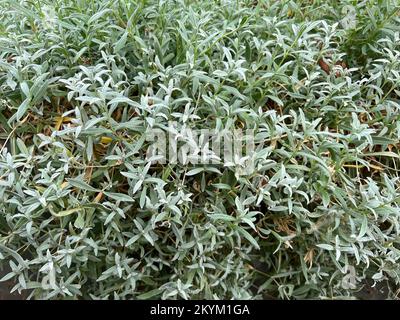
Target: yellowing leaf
column 105, row 140
column 98, row 197
column 59, row 121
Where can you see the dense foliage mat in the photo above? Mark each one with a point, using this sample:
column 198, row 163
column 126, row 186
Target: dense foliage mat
column 84, row 215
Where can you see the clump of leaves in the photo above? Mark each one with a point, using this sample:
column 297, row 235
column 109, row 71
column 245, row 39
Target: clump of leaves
column 83, row 214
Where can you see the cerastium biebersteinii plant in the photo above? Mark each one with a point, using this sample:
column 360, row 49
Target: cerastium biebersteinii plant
column 93, row 207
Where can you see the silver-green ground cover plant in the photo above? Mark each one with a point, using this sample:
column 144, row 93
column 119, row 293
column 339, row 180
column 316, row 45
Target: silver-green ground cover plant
column 85, row 213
